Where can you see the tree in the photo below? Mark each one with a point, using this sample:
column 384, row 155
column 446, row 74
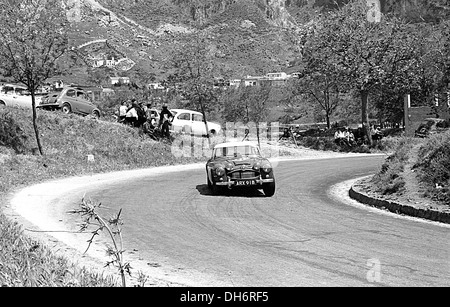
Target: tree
column 319, row 84
column 32, row 38
column 194, row 73
column 256, row 102
column 362, row 53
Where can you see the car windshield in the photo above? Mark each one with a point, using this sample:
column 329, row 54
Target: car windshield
column 236, row 151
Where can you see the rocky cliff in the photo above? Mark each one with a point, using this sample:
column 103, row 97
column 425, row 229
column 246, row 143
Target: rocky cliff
column 250, row 36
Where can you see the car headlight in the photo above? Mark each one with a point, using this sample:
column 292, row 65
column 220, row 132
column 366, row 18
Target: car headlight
column 266, row 167
column 257, row 166
column 229, row 166
column 220, row 171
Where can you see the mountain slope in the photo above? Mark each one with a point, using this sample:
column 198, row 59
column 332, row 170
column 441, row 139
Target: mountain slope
column 250, row 36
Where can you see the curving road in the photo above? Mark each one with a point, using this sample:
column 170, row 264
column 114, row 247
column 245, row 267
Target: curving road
column 303, row 236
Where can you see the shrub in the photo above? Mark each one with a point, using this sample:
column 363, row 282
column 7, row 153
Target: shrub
column 389, row 179
column 434, row 167
column 11, row 133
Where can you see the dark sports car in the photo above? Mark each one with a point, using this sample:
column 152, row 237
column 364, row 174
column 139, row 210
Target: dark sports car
column 239, row 164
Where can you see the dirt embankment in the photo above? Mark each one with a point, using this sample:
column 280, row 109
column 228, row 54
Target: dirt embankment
column 410, row 201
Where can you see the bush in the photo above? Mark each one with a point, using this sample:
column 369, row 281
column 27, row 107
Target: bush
column 11, row 133
column 434, row 167
column 389, row 180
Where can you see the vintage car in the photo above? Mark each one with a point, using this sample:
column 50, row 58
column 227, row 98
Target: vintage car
column 239, row 164
column 70, row 100
column 191, row 122
column 430, row 126
column 17, row 95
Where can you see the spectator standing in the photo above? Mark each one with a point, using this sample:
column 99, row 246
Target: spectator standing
column 123, row 111
column 376, row 133
column 164, row 121
column 132, row 116
column 142, row 118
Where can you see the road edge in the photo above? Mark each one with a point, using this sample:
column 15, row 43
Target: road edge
column 396, row 207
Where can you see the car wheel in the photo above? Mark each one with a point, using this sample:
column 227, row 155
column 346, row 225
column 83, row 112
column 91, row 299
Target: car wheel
column 269, row 189
column 212, row 133
column 66, row 109
column 2, row 103
column 210, row 185
column 213, row 187
column 95, row 114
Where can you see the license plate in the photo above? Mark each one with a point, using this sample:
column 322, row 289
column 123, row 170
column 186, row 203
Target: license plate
column 245, row 182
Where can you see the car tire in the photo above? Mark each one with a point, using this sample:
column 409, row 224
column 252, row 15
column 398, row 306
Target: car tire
column 66, row 109
column 213, row 187
column 212, row 133
column 95, row 114
column 209, row 182
column 2, row 103
column 269, row 189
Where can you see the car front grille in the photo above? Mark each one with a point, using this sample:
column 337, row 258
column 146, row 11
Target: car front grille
column 244, row 175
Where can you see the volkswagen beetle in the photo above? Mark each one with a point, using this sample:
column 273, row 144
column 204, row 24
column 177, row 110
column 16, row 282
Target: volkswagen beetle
column 239, row 164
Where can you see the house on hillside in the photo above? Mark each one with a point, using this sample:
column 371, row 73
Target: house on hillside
column 156, row 86
column 119, row 80
column 252, row 81
column 235, row 82
column 277, row 78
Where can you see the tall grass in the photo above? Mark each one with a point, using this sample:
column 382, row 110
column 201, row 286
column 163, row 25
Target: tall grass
column 27, row 263
column 390, row 179
column 434, row 167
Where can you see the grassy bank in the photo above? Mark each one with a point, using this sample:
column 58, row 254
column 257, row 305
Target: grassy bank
column 422, row 165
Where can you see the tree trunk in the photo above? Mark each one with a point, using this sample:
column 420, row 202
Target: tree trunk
column 36, row 130
column 205, row 120
column 365, row 116
column 327, row 115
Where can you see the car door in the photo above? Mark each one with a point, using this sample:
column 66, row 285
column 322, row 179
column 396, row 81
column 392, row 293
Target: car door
column 22, row 98
column 83, row 105
column 69, row 97
column 182, row 122
column 198, row 126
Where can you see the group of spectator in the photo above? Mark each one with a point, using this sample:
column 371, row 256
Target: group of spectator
column 344, row 136
column 138, row 115
column 132, row 113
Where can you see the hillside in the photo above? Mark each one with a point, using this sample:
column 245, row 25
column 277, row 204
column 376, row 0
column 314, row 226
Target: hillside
column 251, row 37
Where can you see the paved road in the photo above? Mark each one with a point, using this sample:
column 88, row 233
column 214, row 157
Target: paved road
column 300, row 237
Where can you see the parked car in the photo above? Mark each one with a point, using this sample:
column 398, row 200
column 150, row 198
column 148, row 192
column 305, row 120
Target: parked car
column 191, row 122
column 430, row 126
column 70, row 100
column 239, row 164
column 154, row 114
column 17, row 95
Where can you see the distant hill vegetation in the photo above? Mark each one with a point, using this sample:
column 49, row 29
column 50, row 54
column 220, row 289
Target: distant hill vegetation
column 250, row 37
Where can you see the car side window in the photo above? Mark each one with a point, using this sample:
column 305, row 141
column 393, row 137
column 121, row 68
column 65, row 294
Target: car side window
column 70, row 93
column 184, row 116
column 197, row 117
column 8, row 90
